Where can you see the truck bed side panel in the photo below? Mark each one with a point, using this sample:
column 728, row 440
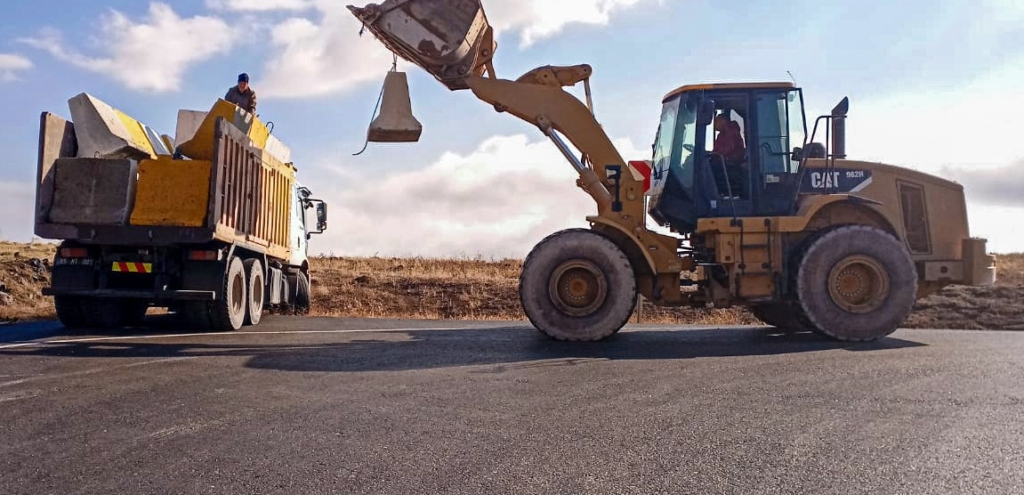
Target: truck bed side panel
column 251, row 194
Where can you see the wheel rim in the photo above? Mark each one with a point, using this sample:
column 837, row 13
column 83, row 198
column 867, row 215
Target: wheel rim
column 858, row 284
column 238, row 294
column 578, row 288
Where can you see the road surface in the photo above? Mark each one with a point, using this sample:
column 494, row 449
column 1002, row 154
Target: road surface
column 396, row 407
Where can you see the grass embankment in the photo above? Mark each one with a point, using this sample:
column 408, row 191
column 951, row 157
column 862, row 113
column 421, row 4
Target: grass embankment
column 463, row 289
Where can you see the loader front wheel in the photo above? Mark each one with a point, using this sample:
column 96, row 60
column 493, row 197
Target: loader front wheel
column 857, row 283
column 577, row 285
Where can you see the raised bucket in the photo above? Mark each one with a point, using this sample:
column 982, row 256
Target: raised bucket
column 450, row 39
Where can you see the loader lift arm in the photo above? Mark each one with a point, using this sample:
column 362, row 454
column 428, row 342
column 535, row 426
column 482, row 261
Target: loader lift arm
column 429, row 35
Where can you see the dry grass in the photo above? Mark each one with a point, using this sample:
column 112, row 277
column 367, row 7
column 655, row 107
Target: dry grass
column 473, row 289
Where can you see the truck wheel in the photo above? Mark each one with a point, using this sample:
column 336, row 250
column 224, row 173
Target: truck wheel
column 857, row 283
column 228, row 311
column 302, row 294
column 69, row 311
column 256, row 291
column 577, row 285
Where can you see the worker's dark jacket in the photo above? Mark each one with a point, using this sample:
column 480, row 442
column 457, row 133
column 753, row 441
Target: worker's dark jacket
column 246, row 100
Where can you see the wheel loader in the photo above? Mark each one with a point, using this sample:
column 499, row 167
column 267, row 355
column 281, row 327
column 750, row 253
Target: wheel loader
column 805, row 237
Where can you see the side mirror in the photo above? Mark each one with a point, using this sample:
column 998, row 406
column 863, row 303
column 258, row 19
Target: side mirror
column 321, row 216
column 798, row 154
column 706, row 113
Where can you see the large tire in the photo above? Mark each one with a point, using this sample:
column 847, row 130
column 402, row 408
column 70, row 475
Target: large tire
column 857, row 283
column 256, row 291
column 577, row 285
column 227, row 312
column 303, row 296
column 69, row 312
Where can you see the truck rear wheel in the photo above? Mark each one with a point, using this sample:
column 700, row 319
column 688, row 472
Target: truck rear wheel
column 69, row 311
column 256, row 291
column 577, row 285
column 857, row 283
column 228, row 310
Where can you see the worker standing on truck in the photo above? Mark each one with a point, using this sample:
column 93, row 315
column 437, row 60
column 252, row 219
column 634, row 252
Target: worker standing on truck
column 242, row 95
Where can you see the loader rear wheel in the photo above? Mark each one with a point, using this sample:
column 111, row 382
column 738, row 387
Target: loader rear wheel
column 255, row 291
column 857, row 283
column 577, row 285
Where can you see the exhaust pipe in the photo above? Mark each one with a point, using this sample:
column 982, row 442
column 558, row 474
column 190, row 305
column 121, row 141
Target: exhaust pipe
column 839, row 128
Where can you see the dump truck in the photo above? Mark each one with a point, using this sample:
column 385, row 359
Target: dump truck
column 804, row 236
column 211, row 224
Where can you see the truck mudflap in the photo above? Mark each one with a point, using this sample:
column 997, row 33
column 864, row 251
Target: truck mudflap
column 167, row 295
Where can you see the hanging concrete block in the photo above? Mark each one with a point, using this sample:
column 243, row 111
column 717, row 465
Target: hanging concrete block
column 395, row 124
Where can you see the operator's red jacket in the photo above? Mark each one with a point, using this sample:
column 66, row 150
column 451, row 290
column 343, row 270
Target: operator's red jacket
column 730, row 145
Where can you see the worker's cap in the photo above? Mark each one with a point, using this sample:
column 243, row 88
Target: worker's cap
column 243, row 77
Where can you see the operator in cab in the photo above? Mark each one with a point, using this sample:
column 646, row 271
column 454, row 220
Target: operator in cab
column 729, row 142
column 242, row 94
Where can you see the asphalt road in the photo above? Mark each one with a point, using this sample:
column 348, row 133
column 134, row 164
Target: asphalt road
column 398, row 407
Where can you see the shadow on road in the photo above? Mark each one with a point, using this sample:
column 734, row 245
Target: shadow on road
column 431, row 349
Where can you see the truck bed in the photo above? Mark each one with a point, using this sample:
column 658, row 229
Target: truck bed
column 243, row 197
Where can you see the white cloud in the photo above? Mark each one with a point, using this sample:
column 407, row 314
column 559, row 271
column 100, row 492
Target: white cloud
column 323, row 55
column 496, row 201
column 974, row 125
column 11, row 64
column 152, row 54
column 535, row 20
column 18, row 204
column 312, row 59
column 258, row 5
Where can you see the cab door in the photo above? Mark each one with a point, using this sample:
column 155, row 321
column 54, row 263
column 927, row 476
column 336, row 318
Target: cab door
column 778, row 126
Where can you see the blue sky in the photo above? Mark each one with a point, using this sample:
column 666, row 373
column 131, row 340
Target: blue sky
column 933, row 85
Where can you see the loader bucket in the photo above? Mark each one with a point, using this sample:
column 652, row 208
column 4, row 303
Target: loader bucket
column 450, row 39
column 395, row 124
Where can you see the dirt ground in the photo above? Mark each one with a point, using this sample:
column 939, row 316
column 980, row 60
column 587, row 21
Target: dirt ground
column 486, row 290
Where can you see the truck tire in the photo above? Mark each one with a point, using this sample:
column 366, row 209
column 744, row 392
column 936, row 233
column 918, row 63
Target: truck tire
column 577, row 285
column 857, row 283
column 256, row 291
column 69, row 312
column 303, row 296
column 227, row 312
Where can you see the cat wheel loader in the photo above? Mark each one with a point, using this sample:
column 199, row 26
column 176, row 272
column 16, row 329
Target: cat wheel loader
column 805, row 237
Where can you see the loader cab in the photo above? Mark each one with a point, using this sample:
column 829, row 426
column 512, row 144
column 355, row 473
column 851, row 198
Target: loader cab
column 727, row 150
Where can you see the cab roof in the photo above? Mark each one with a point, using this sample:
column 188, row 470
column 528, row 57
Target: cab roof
column 713, row 86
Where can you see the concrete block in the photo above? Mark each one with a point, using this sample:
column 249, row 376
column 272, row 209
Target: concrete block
column 189, row 122
column 105, row 132
column 93, row 191
column 56, row 140
column 278, row 149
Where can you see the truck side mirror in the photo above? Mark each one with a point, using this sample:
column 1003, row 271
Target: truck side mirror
column 321, row 216
column 706, row 113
